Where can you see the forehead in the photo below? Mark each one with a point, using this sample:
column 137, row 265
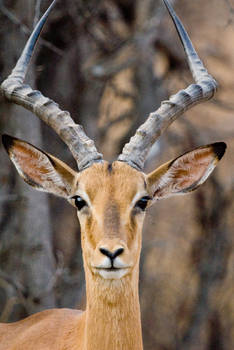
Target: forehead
column 117, row 180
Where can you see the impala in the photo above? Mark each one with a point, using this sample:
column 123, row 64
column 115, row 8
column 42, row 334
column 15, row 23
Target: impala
column 111, row 200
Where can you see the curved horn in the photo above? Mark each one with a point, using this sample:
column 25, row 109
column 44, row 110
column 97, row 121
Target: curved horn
column 135, row 152
column 14, row 89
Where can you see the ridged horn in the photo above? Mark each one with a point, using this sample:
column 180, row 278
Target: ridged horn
column 135, row 152
column 14, row 89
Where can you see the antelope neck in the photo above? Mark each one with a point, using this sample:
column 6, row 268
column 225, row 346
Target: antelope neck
column 112, row 317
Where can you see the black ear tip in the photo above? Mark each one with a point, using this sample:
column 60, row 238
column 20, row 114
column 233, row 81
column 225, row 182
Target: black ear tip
column 219, row 149
column 7, row 141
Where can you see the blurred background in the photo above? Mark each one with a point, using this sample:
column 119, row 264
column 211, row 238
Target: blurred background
column 110, row 63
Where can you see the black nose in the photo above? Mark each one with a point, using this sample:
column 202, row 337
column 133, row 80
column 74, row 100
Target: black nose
column 111, row 255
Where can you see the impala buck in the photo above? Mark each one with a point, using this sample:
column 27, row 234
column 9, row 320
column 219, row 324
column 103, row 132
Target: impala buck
column 111, row 201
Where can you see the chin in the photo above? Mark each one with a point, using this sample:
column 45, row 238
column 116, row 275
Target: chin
column 109, row 274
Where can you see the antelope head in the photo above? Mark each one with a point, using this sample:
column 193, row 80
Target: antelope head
column 111, row 198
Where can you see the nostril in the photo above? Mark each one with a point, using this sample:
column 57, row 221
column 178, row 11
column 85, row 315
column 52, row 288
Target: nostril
column 117, row 252
column 106, row 252
column 111, row 255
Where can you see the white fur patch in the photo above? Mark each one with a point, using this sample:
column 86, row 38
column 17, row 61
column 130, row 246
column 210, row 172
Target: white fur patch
column 112, row 274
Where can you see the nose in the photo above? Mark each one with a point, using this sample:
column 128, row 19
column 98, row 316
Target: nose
column 111, row 255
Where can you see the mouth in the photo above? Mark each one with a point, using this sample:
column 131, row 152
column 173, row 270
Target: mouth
column 112, row 272
column 112, row 268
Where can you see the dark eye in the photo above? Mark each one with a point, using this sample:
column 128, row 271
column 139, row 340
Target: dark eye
column 142, row 203
column 79, row 202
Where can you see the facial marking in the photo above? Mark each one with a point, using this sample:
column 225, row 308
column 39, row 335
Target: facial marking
column 111, row 219
column 109, row 168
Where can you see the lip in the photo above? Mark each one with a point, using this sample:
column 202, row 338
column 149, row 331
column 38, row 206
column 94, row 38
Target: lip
column 112, row 268
column 112, row 272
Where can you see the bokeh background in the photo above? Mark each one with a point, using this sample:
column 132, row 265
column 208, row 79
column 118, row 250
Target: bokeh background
column 110, row 63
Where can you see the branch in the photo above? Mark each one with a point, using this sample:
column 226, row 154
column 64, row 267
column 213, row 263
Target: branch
column 53, row 281
column 103, row 130
column 37, row 12
column 7, row 310
column 27, row 31
column 139, row 41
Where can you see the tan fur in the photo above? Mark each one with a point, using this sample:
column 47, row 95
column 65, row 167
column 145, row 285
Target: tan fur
column 111, row 220
column 112, row 305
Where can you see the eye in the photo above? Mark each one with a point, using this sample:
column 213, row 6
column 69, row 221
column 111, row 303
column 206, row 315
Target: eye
column 79, row 202
column 142, row 203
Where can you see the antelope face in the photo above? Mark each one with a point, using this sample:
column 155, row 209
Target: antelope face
column 111, row 200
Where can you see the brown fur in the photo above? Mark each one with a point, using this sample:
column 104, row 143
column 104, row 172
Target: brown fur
column 110, row 220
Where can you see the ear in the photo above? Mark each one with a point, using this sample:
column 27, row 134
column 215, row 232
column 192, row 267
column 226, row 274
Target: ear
column 39, row 169
column 185, row 173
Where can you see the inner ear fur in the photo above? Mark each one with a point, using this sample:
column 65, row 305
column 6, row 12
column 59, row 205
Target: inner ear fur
column 185, row 173
column 41, row 170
